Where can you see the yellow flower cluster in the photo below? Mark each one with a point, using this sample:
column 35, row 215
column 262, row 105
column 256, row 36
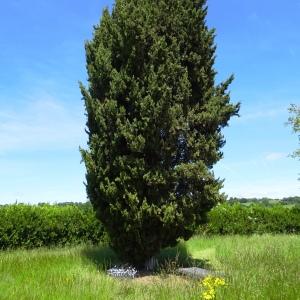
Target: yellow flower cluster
column 210, row 284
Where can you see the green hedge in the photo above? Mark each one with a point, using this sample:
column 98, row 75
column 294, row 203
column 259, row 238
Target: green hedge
column 241, row 219
column 29, row 226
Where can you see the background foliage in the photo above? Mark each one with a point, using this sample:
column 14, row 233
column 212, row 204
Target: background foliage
column 294, row 122
column 255, row 218
column 30, row 226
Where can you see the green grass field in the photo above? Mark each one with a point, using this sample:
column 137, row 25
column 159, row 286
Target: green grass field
column 255, row 267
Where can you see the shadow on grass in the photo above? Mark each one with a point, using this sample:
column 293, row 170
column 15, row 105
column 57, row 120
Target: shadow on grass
column 169, row 259
column 102, row 256
column 172, row 258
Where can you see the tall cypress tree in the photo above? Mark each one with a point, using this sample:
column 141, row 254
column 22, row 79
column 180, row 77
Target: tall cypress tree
column 154, row 120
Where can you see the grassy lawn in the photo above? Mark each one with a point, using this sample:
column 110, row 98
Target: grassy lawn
column 255, row 267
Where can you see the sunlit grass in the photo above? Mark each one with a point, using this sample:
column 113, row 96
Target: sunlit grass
column 255, row 267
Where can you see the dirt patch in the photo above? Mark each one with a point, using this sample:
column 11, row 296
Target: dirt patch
column 147, row 279
column 165, row 279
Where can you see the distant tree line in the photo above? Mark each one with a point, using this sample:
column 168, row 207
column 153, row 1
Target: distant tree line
column 295, row 200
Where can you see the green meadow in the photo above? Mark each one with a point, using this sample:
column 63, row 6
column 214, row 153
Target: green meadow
column 254, row 267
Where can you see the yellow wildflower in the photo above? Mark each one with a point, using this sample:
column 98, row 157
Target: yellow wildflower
column 211, row 283
column 219, row 281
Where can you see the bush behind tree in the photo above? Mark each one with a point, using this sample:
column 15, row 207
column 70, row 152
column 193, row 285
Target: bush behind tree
column 154, row 120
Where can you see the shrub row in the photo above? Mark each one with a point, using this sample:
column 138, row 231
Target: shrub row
column 241, row 219
column 29, row 226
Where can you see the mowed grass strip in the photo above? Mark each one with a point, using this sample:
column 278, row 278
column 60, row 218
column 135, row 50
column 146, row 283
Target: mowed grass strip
column 255, row 267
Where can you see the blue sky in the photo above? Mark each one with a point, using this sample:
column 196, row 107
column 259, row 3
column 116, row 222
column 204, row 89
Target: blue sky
column 42, row 117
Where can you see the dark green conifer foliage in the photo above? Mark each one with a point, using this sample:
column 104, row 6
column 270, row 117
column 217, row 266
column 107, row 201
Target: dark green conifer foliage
column 154, row 119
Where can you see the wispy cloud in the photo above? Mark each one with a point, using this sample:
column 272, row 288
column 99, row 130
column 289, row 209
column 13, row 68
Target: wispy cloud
column 275, row 156
column 42, row 123
column 268, row 113
column 275, row 189
column 263, row 160
column 237, row 166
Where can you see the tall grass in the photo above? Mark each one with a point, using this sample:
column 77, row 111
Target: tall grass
column 78, row 273
column 255, row 267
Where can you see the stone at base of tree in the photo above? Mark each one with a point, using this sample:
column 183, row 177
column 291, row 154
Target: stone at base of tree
column 122, row 272
column 195, row 272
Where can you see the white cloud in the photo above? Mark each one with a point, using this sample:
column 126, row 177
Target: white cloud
column 42, row 123
column 275, row 156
